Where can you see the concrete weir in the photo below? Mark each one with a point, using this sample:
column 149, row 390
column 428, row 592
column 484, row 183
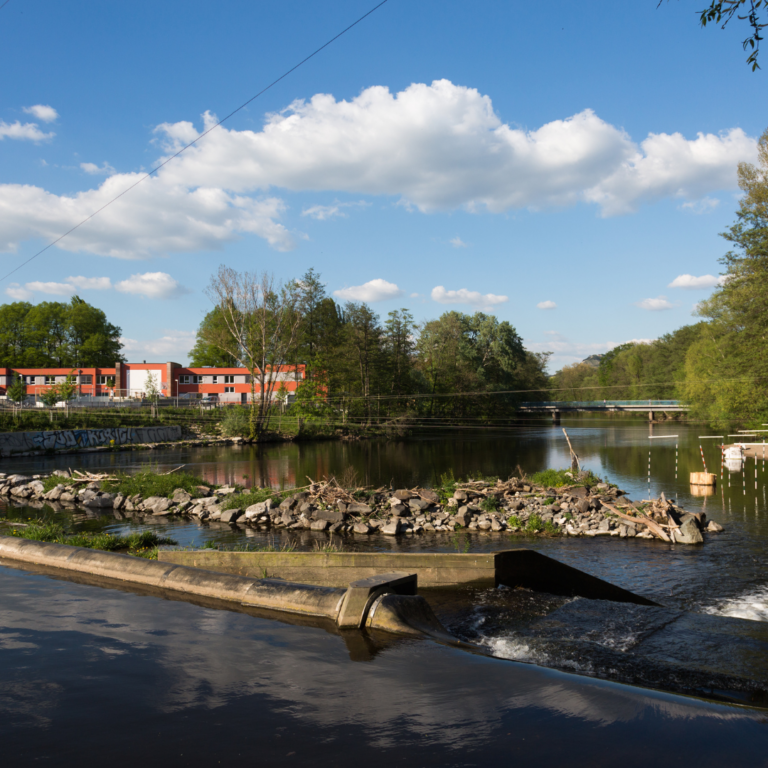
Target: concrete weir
column 511, row 567
column 349, row 608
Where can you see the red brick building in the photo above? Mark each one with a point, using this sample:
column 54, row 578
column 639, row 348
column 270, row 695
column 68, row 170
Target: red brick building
column 132, row 380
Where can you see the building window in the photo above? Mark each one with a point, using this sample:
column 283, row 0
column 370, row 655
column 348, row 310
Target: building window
column 86, row 378
column 229, row 389
column 229, row 380
column 190, row 379
column 106, row 381
column 50, row 380
column 215, row 379
column 29, row 379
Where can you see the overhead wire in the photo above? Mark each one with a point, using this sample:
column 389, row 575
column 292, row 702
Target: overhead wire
column 191, row 143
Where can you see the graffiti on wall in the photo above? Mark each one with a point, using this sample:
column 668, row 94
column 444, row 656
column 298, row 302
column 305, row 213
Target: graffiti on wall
column 20, row 442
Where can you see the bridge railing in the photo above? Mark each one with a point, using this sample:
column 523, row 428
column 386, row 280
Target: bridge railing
column 599, row 403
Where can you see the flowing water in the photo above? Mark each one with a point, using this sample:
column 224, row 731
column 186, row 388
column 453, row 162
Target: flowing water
column 726, row 577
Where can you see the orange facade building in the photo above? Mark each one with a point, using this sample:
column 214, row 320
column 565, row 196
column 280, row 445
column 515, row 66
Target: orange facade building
column 136, row 380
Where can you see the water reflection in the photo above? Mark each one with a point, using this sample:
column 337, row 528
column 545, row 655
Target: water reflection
column 214, row 685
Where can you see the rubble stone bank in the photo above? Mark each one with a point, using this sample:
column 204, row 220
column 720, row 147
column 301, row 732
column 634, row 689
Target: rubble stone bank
column 515, row 506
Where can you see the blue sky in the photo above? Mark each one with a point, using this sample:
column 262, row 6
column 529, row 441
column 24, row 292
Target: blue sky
column 565, row 166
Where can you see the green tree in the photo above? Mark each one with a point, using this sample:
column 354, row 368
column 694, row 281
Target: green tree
column 57, row 335
column 399, row 347
column 206, row 354
column 362, row 351
column 472, row 355
column 17, row 390
column 93, row 340
column 49, row 397
column 261, row 324
column 734, row 383
column 721, row 12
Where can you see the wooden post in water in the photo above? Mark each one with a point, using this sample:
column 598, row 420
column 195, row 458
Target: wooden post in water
column 575, row 466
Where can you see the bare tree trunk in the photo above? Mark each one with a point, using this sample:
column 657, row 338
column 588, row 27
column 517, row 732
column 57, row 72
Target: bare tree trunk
column 262, row 320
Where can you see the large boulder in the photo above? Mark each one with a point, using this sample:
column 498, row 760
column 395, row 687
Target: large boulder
column 392, row 528
column 689, row 533
column 230, row 515
column 463, row 517
column 356, row 508
column 155, row 504
column 331, row 515
column 256, row 510
column 180, row 496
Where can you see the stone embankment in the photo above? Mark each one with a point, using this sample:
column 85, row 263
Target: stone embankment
column 65, row 441
column 513, row 506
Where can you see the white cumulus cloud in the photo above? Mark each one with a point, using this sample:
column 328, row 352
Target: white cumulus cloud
column 18, row 292
column 442, row 146
column 153, row 285
column 705, row 205
column 437, row 146
column 90, row 283
column 323, row 212
column 97, row 170
column 373, row 290
column 565, row 351
column 173, row 345
column 546, row 305
column 56, row 289
column 42, row 112
column 457, row 242
column 692, row 282
column 23, row 132
column 655, row 305
column 463, row 296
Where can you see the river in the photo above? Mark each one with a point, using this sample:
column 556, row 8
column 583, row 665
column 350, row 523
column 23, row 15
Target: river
column 725, row 577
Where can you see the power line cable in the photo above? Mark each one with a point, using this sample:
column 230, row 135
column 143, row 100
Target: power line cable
column 191, row 143
column 4, row 4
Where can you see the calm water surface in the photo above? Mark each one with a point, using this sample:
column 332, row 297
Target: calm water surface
column 726, row 575
column 202, row 685
column 102, row 677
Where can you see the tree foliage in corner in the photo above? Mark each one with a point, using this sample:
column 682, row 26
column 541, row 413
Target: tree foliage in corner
column 727, row 369
column 723, row 11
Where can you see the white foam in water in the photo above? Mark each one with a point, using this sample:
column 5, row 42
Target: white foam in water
column 752, row 605
column 511, row 647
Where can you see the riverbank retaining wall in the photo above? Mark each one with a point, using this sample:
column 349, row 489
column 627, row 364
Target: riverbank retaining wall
column 73, row 439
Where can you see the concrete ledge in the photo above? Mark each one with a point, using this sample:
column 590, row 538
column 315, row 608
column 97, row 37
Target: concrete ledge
column 361, row 595
column 268, row 594
column 513, row 568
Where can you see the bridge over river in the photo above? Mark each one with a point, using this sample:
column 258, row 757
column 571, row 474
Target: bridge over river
column 557, row 407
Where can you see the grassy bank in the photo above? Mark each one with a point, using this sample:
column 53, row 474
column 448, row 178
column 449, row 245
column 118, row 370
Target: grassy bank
column 142, row 544
column 44, row 419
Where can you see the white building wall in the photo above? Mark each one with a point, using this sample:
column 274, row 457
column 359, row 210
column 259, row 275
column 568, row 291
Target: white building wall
column 136, row 380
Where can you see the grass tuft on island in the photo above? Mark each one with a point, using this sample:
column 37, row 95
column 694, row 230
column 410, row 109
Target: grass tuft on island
column 147, row 483
column 558, row 478
column 143, row 544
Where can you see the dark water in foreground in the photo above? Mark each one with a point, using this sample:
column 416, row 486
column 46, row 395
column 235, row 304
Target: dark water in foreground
column 92, row 677
column 169, row 679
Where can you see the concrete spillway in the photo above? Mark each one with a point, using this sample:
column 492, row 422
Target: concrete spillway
column 348, row 608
